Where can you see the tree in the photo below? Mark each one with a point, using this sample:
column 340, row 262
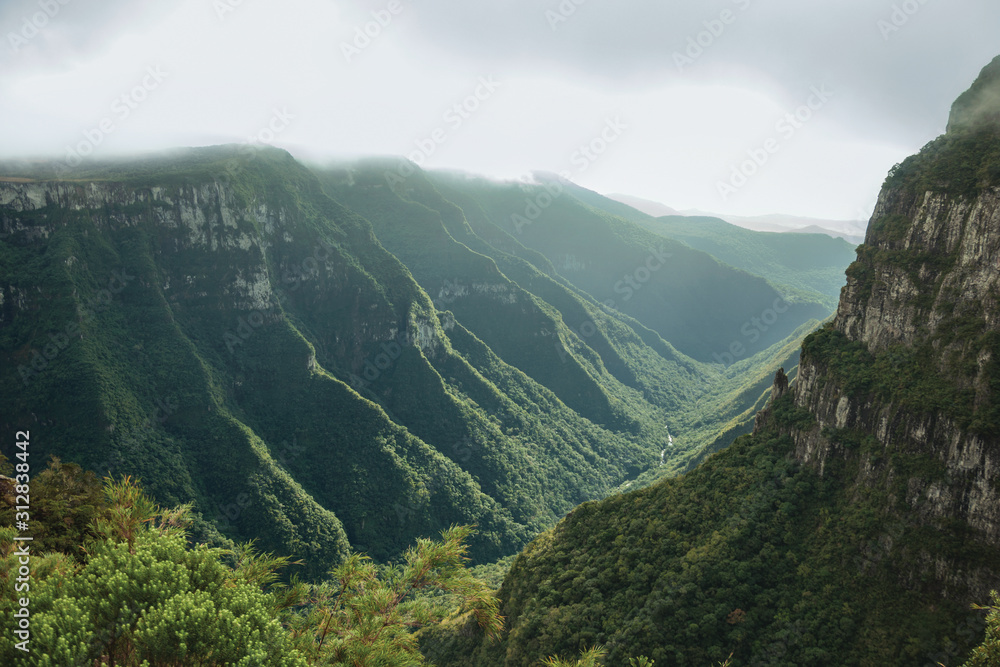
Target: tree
column 589, row 658
column 142, row 597
column 592, row 657
column 363, row 620
column 65, row 499
column 987, row 654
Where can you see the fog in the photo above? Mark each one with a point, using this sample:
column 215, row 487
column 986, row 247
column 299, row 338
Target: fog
column 742, row 107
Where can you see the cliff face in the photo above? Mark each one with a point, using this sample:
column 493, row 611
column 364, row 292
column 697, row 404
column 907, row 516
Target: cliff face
column 216, row 325
column 904, row 382
column 197, row 327
column 861, row 518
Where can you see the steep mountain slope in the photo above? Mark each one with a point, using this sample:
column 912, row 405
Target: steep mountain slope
column 199, row 321
column 805, row 267
column 852, row 231
column 154, row 324
column 811, row 262
column 602, row 363
column 432, row 238
column 212, row 322
column 862, row 517
column 701, row 306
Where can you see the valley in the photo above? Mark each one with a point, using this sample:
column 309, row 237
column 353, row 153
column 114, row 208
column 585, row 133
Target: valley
column 324, row 399
column 309, row 321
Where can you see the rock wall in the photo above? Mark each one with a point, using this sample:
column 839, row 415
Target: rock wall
column 924, row 294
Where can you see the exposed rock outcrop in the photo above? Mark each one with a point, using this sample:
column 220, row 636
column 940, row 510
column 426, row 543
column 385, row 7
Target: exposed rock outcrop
column 907, row 371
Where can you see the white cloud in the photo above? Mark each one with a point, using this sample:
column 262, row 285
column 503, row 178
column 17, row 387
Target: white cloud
column 228, row 76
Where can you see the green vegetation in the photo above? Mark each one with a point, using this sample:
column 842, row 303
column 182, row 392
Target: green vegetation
column 589, row 658
column 987, row 654
column 806, row 268
column 689, row 298
column 748, row 555
column 606, row 365
column 892, row 227
column 759, row 557
column 979, row 106
column 213, row 322
column 336, row 363
column 966, row 160
column 802, row 267
column 902, row 375
column 593, row 657
column 961, row 164
column 66, row 499
column 141, row 595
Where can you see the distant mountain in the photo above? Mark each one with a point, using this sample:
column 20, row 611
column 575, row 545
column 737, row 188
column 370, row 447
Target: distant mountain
column 803, row 267
column 507, row 293
column 814, row 229
column 852, row 231
column 647, row 206
column 701, row 306
column 814, row 263
column 849, row 230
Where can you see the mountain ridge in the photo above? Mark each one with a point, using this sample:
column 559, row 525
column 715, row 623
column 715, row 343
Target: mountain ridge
column 849, row 230
column 213, row 322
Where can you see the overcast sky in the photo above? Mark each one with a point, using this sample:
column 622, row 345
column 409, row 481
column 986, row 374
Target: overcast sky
column 668, row 97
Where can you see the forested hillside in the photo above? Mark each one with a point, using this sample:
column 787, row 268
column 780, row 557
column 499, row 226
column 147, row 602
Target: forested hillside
column 347, row 360
column 810, row 263
column 801, row 266
column 702, row 306
column 860, row 522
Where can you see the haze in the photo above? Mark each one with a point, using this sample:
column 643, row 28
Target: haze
column 821, row 98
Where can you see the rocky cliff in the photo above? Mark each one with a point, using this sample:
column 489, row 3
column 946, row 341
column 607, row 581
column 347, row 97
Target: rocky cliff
column 904, row 382
column 196, row 322
column 860, row 519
